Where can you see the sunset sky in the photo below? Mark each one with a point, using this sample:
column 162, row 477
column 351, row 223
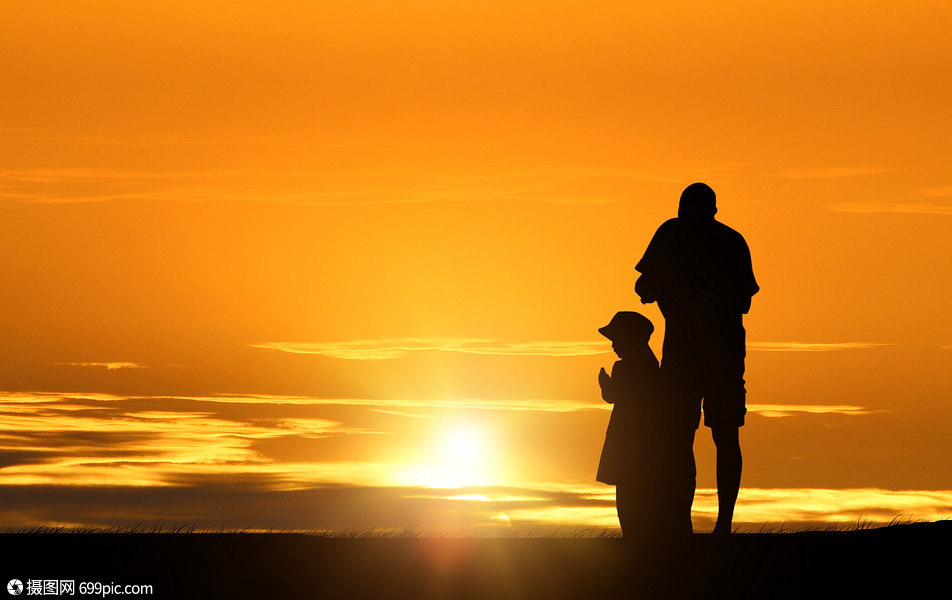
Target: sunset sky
column 341, row 265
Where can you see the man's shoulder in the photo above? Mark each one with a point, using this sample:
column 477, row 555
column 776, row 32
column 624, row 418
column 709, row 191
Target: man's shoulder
column 726, row 229
column 673, row 229
column 667, row 230
column 669, row 225
column 729, row 233
column 676, row 225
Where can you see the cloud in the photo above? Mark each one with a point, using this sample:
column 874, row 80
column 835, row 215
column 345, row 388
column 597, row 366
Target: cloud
column 254, row 503
column 813, row 346
column 179, row 138
column 562, row 186
column 386, row 349
column 126, row 441
column 401, row 413
column 844, row 506
column 937, row 192
column 831, row 172
column 69, row 185
column 912, row 208
column 13, row 402
column 404, row 407
column 108, row 365
column 10, row 399
column 787, row 410
column 73, row 175
column 520, row 404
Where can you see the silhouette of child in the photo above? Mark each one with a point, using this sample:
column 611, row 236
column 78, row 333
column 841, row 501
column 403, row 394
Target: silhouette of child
column 640, row 457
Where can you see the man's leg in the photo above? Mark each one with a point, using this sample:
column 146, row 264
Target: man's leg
column 729, row 463
column 682, row 468
column 681, row 364
column 688, row 483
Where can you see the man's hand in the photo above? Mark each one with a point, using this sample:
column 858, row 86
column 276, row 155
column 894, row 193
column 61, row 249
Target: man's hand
column 645, row 290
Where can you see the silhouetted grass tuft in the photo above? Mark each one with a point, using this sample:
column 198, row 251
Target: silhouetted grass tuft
column 861, row 524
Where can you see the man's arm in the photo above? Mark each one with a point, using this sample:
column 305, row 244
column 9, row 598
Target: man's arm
column 749, row 283
column 652, row 264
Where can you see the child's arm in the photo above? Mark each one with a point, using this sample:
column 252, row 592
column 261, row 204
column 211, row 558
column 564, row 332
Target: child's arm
column 605, row 382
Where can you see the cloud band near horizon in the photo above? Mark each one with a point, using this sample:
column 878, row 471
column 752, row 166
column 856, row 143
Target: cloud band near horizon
column 394, row 348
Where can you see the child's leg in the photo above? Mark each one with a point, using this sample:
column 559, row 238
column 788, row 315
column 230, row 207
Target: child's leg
column 626, row 508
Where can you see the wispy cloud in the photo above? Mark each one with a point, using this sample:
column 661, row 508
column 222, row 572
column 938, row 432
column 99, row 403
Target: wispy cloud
column 385, row 349
column 831, row 172
column 814, row 346
column 912, row 208
column 107, row 440
column 520, row 404
column 108, row 365
column 937, row 192
column 401, row 413
column 406, row 407
column 847, row 506
column 395, row 406
column 72, row 175
column 570, row 185
column 11, row 400
column 179, row 138
column 787, row 410
column 791, row 507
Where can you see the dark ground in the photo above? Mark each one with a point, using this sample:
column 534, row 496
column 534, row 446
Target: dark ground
column 905, row 560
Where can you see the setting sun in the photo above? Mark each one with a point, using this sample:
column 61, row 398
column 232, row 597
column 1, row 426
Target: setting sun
column 466, row 446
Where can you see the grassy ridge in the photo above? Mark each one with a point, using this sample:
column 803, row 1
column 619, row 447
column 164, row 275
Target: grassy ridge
column 903, row 559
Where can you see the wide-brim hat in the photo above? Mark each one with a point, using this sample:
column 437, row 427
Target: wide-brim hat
column 627, row 324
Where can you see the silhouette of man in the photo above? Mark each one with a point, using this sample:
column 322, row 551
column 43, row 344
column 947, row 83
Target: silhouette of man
column 699, row 272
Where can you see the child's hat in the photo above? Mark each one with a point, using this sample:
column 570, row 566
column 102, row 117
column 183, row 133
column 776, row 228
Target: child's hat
column 627, row 324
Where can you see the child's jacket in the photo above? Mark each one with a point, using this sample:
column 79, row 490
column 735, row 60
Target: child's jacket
column 636, row 420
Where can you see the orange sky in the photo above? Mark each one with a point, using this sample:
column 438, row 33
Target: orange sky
column 288, row 264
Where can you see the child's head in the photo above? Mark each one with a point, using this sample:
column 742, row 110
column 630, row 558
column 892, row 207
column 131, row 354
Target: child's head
column 628, row 331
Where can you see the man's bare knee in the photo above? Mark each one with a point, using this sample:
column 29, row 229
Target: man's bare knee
column 726, row 438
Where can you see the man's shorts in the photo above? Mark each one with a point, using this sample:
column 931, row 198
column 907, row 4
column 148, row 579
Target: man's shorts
column 708, row 373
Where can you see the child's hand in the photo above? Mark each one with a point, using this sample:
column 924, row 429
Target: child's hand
column 604, row 380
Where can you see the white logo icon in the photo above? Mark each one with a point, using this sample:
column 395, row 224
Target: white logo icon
column 15, row 587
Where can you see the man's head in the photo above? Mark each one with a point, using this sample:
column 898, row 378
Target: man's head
column 697, row 203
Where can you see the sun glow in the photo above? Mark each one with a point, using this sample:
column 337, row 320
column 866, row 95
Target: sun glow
column 465, row 446
column 465, row 454
column 459, row 456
